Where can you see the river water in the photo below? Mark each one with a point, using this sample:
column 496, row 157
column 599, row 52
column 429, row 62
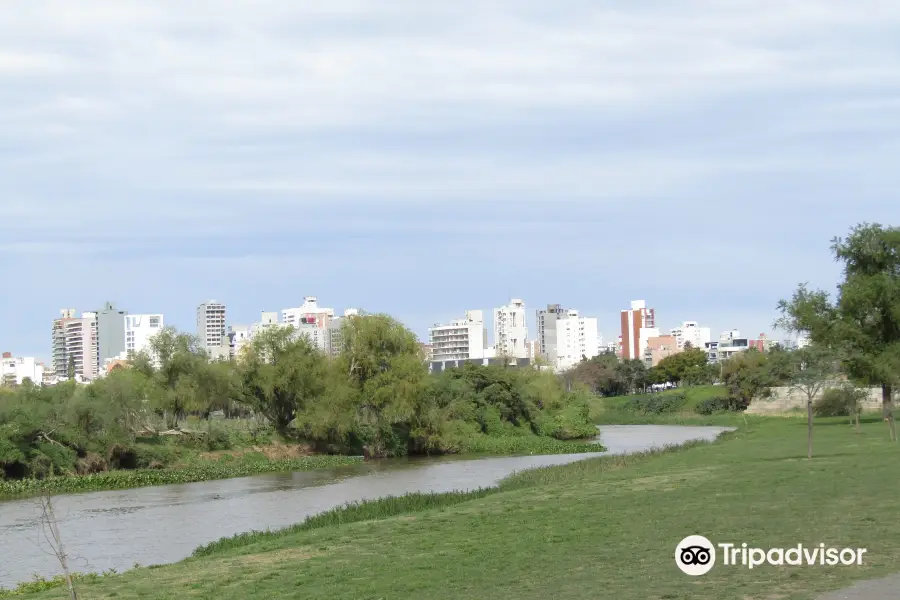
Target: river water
column 155, row 525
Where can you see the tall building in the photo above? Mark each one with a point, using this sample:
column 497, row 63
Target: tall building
column 510, row 330
column 638, row 326
column 75, row 345
column 138, row 331
column 462, row 339
column 110, row 333
column 308, row 314
column 567, row 337
column 690, row 331
column 546, row 327
column 336, row 328
column 211, row 325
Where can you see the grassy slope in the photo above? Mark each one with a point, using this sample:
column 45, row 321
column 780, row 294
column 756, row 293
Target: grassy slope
column 609, row 411
column 589, row 530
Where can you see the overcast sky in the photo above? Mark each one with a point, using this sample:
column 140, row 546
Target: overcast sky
column 424, row 158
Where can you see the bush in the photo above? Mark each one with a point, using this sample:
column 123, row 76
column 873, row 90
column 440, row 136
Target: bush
column 838, row 402
column 719, row 404
column 655, row 404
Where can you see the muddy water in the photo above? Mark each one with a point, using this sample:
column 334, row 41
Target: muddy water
column 154, row 525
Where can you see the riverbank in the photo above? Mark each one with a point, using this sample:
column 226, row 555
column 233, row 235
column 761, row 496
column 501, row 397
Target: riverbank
column 209, row 466
column 608, row 524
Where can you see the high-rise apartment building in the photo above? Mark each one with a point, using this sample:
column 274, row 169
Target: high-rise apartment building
column 308, row 314
column 510, row 330
column 75, row 345
column 546, row 327
column 691, row 332
column 211, row 325
column 566, row 337
column 462, row 339
column 336, row 329
column 110, row 334
column 638, row 326
column 138, row 331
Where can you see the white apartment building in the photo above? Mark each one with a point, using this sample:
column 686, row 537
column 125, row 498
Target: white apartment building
column 15, row 370
column 75, row 347
column 308, row 314
column 690, row 331
column 211, row 325
column 462, row 339
column 510, row 330
column 138, row 331
column 638, row 326
column 570, row 339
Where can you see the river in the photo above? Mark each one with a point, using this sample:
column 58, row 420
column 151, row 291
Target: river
column 155, row 525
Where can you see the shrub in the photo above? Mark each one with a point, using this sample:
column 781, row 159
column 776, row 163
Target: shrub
column 719, row 404
column 656, row 404
column 838, row 402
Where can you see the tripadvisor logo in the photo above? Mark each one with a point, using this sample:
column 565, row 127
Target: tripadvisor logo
column 696, row 555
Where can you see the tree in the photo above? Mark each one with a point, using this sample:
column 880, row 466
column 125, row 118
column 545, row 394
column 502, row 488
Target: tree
column 599, row 374
column 688, row 366
column 380, row 358
column 172, row 364
column 862, row 324
column 633, row 375
column 280, row 374
column 814, row 367
column 747, row 375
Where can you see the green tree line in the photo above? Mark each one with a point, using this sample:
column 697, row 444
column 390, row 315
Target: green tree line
column 376, row 398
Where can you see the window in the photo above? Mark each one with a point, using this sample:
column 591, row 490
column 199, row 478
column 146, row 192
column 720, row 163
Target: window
column 154, row 322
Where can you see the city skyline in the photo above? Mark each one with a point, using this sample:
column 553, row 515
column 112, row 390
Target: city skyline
column 608, row 334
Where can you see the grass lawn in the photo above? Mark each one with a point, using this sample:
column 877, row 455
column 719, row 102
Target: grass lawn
column 612, row 411
column 601, row 528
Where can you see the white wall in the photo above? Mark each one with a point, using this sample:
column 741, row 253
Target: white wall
column 510, row 329
column 17, row 369
column 139, row 329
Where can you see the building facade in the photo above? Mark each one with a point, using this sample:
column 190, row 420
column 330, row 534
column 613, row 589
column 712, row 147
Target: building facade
column 211, row 325
column 510, row 330
column 577, row 339
column 74, row 350
column 638, row 326
column 566, row 337
column 308, row 314
column 110, row 333
column 138, row 331
column 462, row 339
column 15, row 370
column 691, row 332
column 661, row 347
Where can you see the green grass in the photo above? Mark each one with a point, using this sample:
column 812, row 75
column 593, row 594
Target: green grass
column 615, row 410
column 199, row 471
column 599, row 528
column 524, row 444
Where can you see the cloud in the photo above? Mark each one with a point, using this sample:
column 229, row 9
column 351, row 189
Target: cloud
column 596, row 147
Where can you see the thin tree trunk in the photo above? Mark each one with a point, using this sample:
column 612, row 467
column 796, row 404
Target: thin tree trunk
column 809, row 423
column 857, row 418
column 887, row 409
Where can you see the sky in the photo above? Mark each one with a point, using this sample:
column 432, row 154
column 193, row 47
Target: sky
column 425, row 158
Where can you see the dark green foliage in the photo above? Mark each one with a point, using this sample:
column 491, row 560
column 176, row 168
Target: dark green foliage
column 719, row 404
column 655, row 404
column 836, row 402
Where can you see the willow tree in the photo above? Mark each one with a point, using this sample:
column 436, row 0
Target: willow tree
column 862, row 323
